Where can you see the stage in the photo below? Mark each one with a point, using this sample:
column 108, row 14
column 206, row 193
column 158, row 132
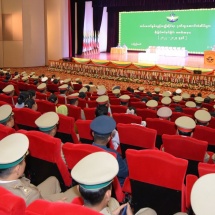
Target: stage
column 125, row 70
column 193, row 61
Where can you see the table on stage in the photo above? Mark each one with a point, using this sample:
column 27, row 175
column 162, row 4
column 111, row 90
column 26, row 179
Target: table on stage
column 118, row 50
column 209, row 58
column 167, row 51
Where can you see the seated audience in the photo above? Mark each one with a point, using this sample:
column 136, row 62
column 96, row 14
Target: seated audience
column 62, row 109
column 102, row 128
column 31, row 104
column 124, row 100
column 95, row 187
column 23, row 96
column 202, row 117
column 13, row 150
column 6, row 116
column 32, row 94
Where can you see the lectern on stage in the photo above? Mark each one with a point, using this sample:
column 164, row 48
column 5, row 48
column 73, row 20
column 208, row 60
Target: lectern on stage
column 209, row 58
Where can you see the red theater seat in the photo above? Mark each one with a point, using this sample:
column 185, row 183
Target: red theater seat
column 7, row 99
column 45, row 106
column 162, row 127
column 126, row 118
column 42, row 207
column 25, row 118
column 74, row 112
column 175, row 115
column 90, row 113
column 45, row 153
column 205, row 168
column 84, row 131
column 146, row 113
column 135, row 137
column 118, row 109
column 5, row 131
column 157, row 180
column 186, row 147
column 206, row 134
column 66, row 129
column 11, row 204
column 75, row 152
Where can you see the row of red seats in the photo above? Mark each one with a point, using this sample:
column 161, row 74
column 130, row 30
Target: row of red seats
column 44, row 153
column 14, row 205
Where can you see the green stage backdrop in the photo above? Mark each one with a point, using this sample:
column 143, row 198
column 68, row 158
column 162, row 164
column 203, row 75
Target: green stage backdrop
column 192, row 29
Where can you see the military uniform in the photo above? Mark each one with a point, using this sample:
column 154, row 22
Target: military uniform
column 6, row 114
column 104, row 125
column 13, row 150
column 47, row 122
column 96, row 171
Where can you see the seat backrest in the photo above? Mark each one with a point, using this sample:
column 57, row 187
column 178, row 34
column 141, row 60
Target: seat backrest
column 126, row 118
column 61, row 99
column 186, row 147
column 89, row 113
column 82, row 103
column 52, row 88
column 84, row 130
column 206, row 134
column 45, row 152
column 173, row 105
column 212, row 123
column 208, row 106
column 175, row 115
column 5, row 131
column 74, row 112
column 160, row 178
column 11, row 204
column 32, row 87
column 118, row 109
column 133, row 99
column 135, row 137
column 114, row 101
column 66, row 129
column 146, row 113
column 41, row 96
column 93, row 98
column 3, row 85
column 43, row 207
column 4, row 103
column 139, row 105
column 25, row 118
column 190, row 111
column 7, row 99
column 22, row 86
column 162, row 126
column 77, row 86
column 45, row 106
column 75, row 152
column 92, row 104
column 205, row 168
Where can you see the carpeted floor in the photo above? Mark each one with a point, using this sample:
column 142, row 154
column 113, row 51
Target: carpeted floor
column 108, row 83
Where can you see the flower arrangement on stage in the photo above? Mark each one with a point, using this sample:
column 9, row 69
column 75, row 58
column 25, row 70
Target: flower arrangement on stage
column 139, row 76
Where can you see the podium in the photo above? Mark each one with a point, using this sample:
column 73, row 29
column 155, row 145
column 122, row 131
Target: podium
column 118, row 50
column 209, row 58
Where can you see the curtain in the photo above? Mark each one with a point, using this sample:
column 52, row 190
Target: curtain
column 97, row 20
column 80, row 24
column 70, row 29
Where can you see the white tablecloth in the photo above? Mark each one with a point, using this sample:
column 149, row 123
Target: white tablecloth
column 168, row 51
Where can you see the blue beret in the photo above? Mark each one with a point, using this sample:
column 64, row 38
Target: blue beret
column 103, row 125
